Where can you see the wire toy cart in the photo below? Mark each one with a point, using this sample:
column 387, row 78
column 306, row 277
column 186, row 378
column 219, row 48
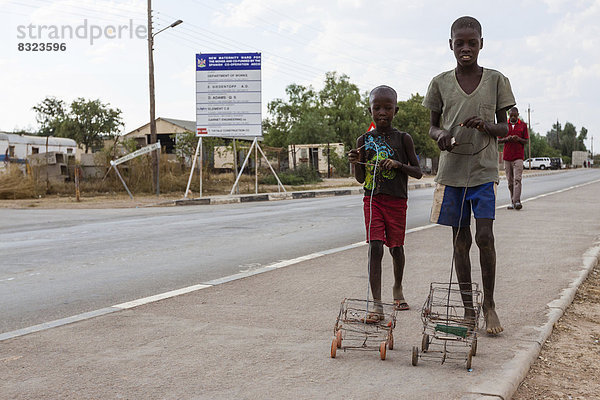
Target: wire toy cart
column 352, row 331
column 447, row 333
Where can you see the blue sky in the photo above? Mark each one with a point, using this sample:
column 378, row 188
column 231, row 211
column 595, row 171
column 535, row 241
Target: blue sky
column 550, row 50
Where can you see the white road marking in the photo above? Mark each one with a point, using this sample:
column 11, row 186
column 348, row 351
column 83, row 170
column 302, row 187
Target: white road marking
column 158, row 297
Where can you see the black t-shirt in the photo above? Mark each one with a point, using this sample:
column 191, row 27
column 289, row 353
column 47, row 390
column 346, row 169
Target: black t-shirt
column 378, row 147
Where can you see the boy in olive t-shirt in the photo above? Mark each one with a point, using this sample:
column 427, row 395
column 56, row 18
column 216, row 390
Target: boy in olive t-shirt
column 468, row 113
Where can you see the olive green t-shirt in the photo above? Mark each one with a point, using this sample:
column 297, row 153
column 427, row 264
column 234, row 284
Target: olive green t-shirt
column 444, row 95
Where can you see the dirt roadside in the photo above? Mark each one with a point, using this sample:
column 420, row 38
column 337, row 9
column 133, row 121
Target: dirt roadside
column 569, row 363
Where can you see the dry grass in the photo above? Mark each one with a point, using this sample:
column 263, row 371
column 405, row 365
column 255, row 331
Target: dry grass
column 137, row 173
column 16, row 185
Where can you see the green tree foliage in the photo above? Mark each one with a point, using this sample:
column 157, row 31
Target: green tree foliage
column 565, row 140
column 87, row 122
column 299, row 120
column 185, row 144
column 338, row 113
column 540, row 146
column 344, row 109
column 50, row 114
column 413, row 118
column 90, row 121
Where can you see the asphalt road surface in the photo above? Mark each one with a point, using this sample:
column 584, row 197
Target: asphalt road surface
column 58, row 263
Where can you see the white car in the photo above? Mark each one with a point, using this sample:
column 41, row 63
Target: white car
column 537, row 162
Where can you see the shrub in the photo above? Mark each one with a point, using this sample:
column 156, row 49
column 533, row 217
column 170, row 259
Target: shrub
column 302, row 175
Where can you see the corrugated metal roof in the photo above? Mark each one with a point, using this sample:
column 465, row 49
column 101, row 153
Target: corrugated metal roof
column 37, row 140
column 188, row 125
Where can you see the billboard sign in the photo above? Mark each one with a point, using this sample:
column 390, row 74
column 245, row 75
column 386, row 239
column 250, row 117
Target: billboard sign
column 228, row 95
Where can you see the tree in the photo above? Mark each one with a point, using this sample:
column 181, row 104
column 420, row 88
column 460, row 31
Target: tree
column 50, row 114
column 566, row 140
column 338, row 113
column 299, row 120
column 88, row 122
column 540, row 146
column 413, row 118
column 344, row 109
column 580, row 145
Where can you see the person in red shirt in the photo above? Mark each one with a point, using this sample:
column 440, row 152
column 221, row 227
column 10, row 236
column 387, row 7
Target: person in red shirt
column 513, row 155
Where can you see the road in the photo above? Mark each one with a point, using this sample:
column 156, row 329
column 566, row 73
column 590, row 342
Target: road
column 57, row 263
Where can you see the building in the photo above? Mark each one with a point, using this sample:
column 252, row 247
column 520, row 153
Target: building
column 165, row 129
column 315, row 155
column 17, row 148
column 579, row 157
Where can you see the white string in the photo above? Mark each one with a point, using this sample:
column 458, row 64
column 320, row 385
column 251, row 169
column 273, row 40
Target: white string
column 370, row 221
column 462, row 205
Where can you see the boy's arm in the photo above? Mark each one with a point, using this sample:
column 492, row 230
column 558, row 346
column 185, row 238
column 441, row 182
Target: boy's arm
column 441, row 136
column 356, row 156
column 412, row 168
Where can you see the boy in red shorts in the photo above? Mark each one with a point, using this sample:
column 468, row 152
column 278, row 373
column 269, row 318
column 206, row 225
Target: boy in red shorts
column 383, row 160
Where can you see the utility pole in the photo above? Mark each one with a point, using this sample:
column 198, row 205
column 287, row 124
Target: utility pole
column 529, row 133
column 155, row 159
column 557, row 133
column 155, row 154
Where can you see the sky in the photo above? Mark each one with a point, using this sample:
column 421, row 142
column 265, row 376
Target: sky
column 549, row 49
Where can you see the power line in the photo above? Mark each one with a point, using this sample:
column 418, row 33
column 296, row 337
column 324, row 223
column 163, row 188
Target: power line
column 356, row 60
column 68, row 9
column 284, row 60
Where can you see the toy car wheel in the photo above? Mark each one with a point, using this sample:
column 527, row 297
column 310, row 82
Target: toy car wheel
column 469, row 359
column 334, row 343
column 415, row 355
column 338, row 337
column 425, row 343
column 474, row 347
column 382, row 350
column 390, row 341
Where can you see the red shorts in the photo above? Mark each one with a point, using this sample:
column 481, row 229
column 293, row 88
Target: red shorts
column 387, row 216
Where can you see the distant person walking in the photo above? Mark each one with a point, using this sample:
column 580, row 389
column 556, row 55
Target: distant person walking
column 513, row 155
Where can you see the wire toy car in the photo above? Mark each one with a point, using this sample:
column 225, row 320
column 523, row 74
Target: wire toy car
column 449, row 327
column 355, row 329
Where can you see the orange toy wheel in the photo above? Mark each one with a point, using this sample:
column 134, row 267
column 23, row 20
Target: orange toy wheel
column 338, row 337
column 390, row 342
column 382, row 350
column 333, row 347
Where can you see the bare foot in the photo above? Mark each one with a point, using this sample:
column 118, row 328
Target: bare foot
column 492, row 322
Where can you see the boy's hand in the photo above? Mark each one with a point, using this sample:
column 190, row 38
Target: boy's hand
column 476, row 123
column 389, row 164
column 444, row 141
column 353, row 156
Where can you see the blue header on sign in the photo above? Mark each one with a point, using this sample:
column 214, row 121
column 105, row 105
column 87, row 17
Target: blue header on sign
column 227, row 61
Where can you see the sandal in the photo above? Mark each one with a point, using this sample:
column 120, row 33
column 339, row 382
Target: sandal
column 401, row 305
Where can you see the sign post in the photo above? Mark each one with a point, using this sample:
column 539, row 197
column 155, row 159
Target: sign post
column 228, row 102
column 131, row 156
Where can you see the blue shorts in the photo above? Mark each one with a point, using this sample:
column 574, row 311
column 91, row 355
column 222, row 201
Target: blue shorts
column 447, row 202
